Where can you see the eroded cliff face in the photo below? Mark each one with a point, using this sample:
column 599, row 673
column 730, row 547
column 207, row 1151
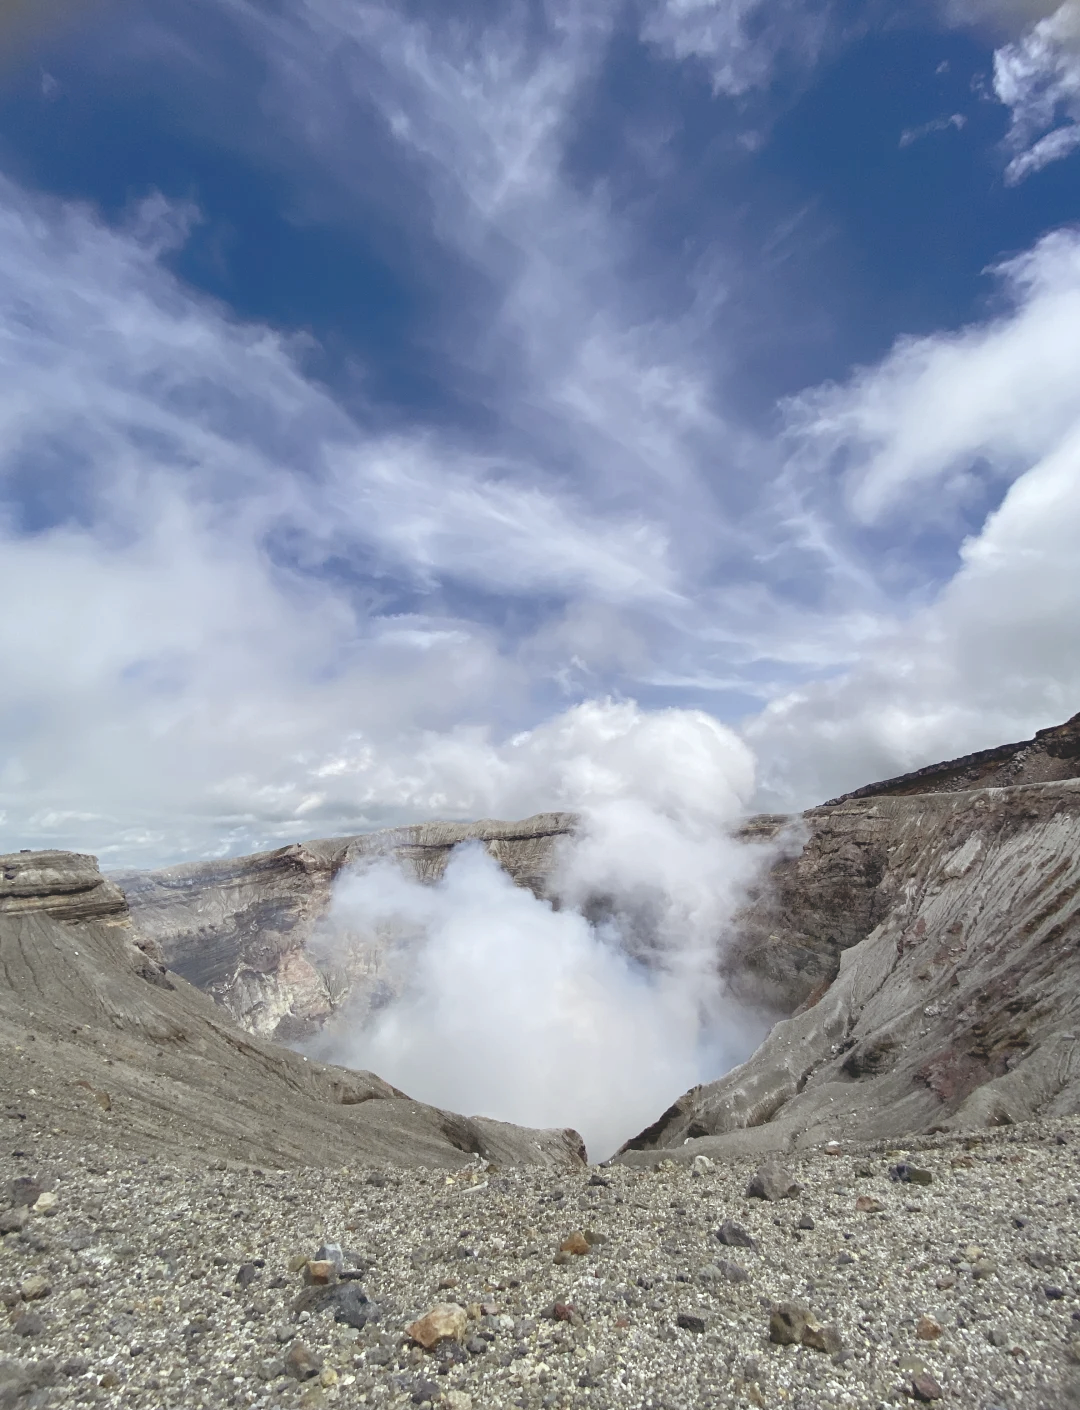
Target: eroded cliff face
column 960, row 1007
column 98, row 1040
column 251, row 931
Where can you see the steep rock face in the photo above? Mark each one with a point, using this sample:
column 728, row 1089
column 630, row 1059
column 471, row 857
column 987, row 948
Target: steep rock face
column 960, row 1007
column 98, row 1039
column 250, row 930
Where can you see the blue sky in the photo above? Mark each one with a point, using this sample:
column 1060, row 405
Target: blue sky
column 383, row 382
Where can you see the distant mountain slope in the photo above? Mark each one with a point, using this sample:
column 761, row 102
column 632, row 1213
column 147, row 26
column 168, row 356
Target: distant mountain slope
column 98, row 1040
column 1053, row 755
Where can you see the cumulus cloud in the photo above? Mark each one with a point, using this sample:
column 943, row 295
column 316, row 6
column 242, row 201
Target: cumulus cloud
column 995, row 654
column 985, row 401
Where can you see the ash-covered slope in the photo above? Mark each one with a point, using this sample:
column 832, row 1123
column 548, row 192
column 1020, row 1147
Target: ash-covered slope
column 246, row 930
column 961, row 1006
column 98, row 1040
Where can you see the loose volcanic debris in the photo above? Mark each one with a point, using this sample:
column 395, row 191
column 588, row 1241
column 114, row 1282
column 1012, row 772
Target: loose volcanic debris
column 157, row 1284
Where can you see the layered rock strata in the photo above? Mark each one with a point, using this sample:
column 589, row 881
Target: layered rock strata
column 960, row 1007
column 252, row 931
column 99, row 1040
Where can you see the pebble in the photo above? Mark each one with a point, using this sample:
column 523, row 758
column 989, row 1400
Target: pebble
column 301, row 1362
column 927, row 1329
column 924, row 1387
column 445, row 1321
column 772, row 1182
column 733, row 1235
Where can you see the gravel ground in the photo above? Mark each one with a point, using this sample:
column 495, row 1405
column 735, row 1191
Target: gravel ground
column 138, row 1282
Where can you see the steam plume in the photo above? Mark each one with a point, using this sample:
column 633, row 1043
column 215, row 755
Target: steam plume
column 595, row 1011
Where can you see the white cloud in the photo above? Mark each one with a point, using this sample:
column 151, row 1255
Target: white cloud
column 740, row 42
column 996, row 654
column 1037, row 76
column 912, row 431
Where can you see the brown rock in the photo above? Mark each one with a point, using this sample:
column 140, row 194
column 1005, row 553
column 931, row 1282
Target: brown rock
column 924, row 1387
column 445, row 1322
column 577, row 1243
column 35, row 1287
column 319, row 1272
column 301, row 1362
column 788, row 1322
column 928, row 1329
column 822, row 1337
column 562, row 1311
column 867, row 1204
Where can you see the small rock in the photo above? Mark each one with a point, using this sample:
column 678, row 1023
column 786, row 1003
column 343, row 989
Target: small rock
column 28, row 1324
column 772, row 1182
column 924, row 1387
column 246, row 1274
column 46, row 1203
column 562, row 1311
column 733, row 1272
column 867, row 1204
column 475, row 1346
column 983, row 1268
column 35, row 1287
column 910, row 1174
column 787, row 1323
column 734, row 1235
column 599, row 1182
column 109, row 1381
column 12, row 1220
column 301, row 1362
column 996, row 1336
column 833, row 1147
column 446, row 1321
column 1053, row 1293
column 690, row 1322
column 577, row 1243
column 445, row 1284
column 843, row 1259
column 284, row 1332
column 422, row 1389
column 806, row 1222
column 23, row 1191
column 331, row 1253
column 700, row 1166
column 822, row 1337
column 927, row 1329
column 320, row 1272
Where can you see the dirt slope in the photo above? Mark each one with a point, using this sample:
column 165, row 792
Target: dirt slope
column 98, row 1040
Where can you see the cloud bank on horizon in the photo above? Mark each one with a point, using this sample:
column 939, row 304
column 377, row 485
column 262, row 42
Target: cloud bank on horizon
column 387, row 394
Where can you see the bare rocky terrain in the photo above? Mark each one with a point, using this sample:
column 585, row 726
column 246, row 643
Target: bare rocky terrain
column 880, row 1207
column 181, row 1281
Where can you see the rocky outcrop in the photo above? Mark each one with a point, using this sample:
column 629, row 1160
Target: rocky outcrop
column 250, row 931
column 1053, row 755
column 99, row 1040
column 957, row 1007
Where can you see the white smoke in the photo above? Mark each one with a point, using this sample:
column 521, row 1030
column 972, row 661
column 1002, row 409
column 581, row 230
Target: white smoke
column 597, row 1011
